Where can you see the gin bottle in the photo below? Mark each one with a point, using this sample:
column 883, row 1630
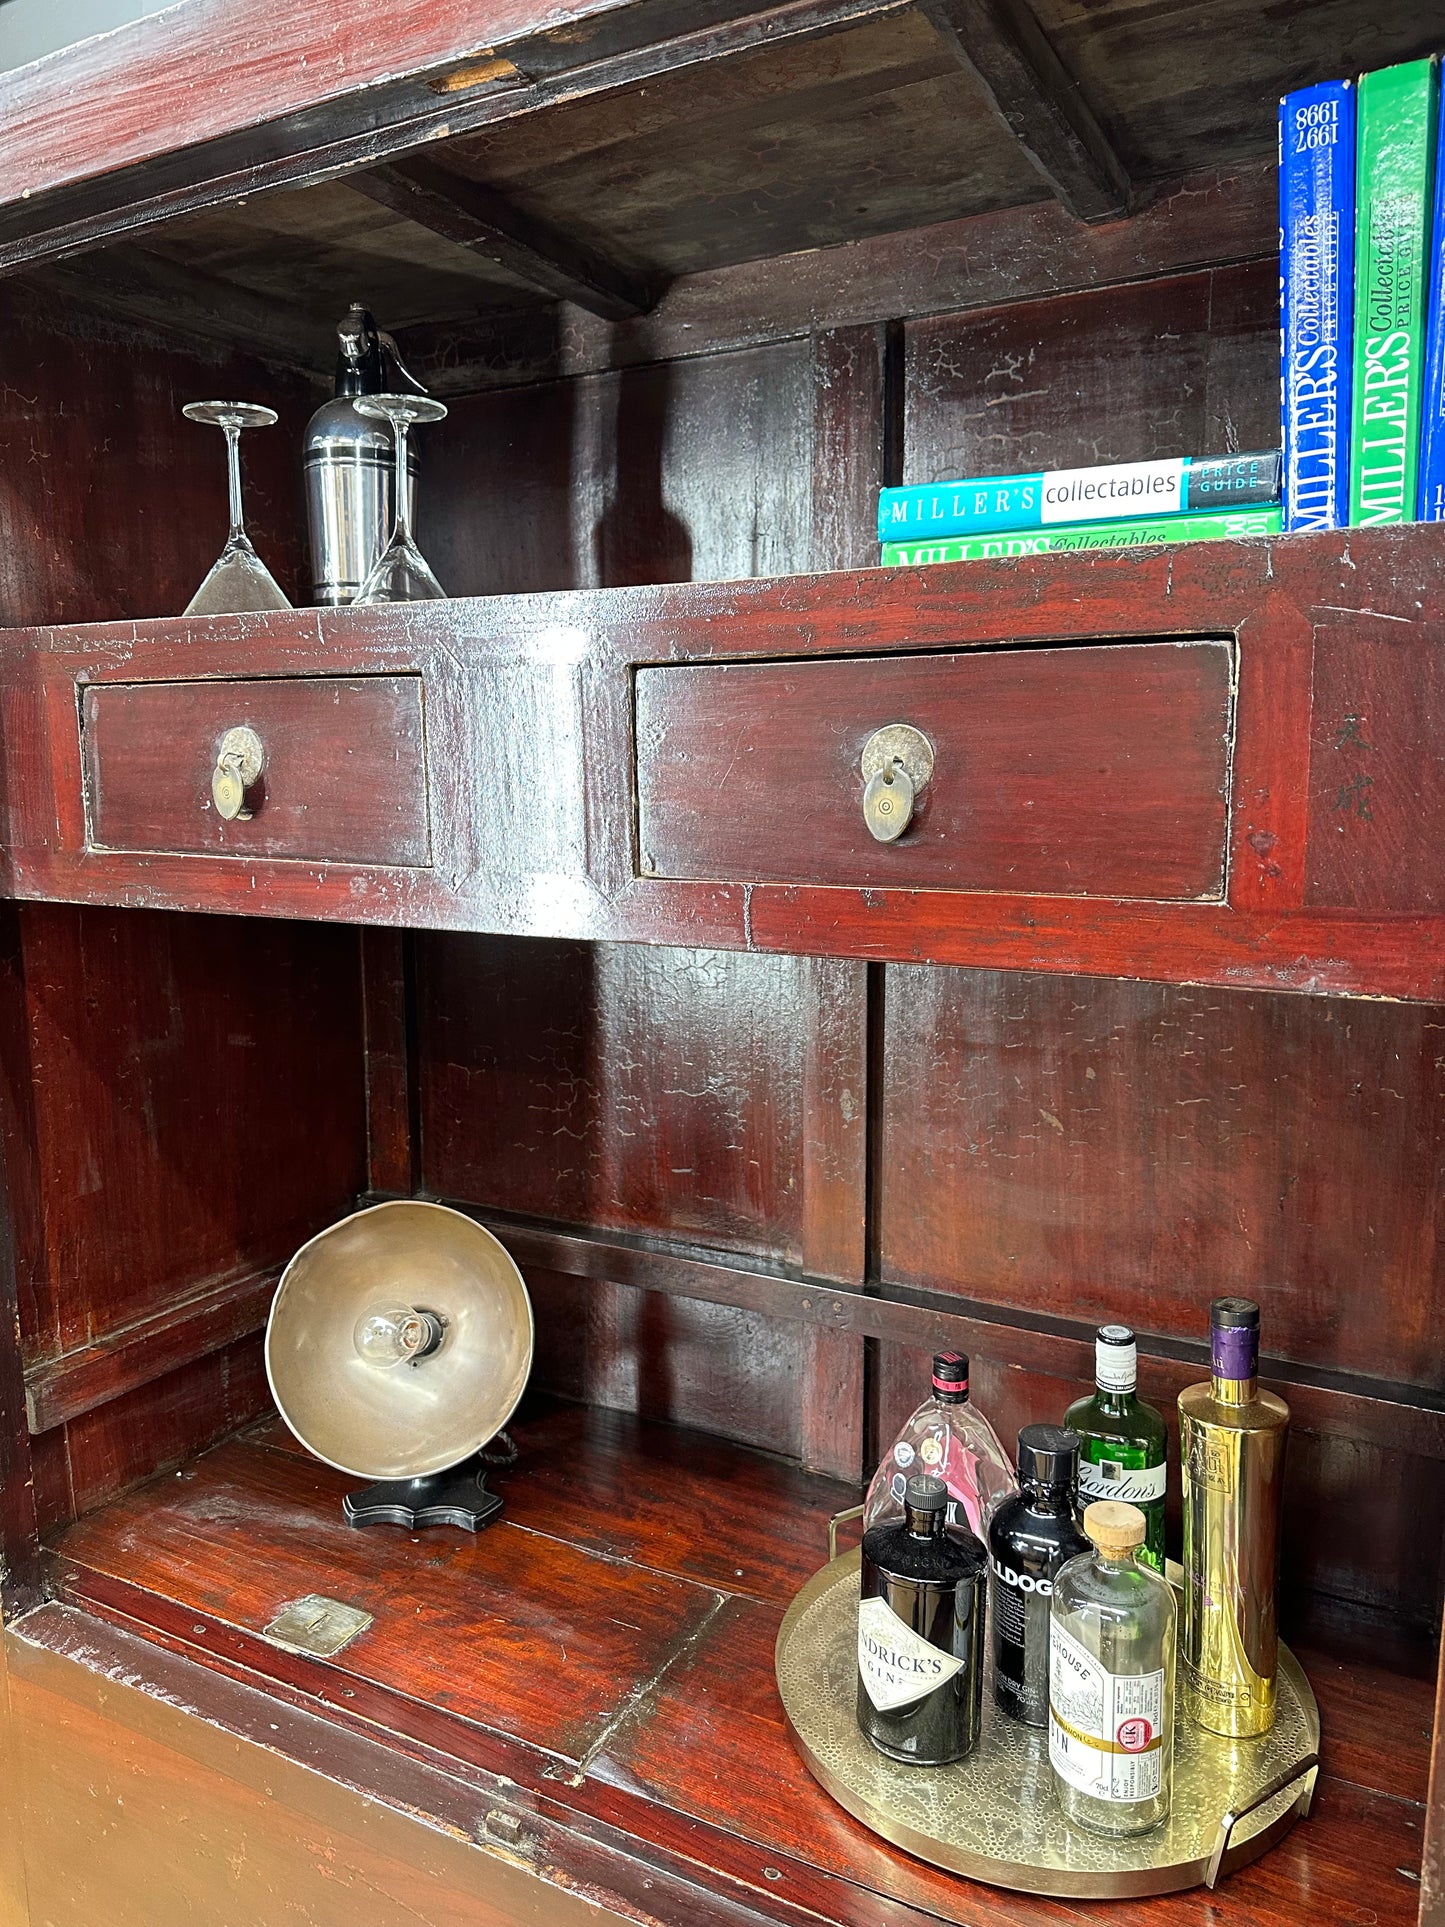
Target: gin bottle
column 1124, row 1446
column 1111, row 1679
column 1029, row 1537
column 1231, row 1449
column 949, row 1439
column 920, row 1633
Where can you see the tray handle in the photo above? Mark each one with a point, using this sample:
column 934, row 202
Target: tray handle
column 1306, row 1770
column 840, row 1519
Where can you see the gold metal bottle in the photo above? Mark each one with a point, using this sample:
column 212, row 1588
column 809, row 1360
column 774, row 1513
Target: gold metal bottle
column 1231, row 1447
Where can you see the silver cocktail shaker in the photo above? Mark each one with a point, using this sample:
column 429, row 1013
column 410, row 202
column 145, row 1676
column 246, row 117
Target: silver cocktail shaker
column 350, row 463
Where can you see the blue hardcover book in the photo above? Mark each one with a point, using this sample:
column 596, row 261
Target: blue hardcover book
column 1118, row 491
column 1431, row 503
column 1316, row 300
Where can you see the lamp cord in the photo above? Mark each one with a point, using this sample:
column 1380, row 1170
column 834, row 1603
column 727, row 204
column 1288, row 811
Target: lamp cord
column 507, row 1455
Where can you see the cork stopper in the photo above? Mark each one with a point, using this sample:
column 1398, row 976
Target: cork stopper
column 1113, row 1526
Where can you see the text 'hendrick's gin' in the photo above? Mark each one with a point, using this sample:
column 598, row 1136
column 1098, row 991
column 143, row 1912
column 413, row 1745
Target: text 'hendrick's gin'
column 920, row 1632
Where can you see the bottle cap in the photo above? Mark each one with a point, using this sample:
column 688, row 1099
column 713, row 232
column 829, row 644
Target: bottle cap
column 1116, row 1359
column 1048, row 1456
column 1234, row 1338
column 1114, row 1526
column 924, row 1493
column 950, row 1372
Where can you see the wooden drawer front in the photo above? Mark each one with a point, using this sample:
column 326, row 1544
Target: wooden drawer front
column 1098, row 770
column 344, row 777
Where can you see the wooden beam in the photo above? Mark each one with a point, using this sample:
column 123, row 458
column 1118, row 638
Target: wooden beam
column 60, row 1389
column 487, row 223
column 982, row 261
column 1037, row 99
column 1331, row 1404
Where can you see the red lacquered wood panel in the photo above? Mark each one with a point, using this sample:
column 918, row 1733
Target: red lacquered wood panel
column 1097, row 1149
column 1377, row 765
column 1070, row 771
column 344, row 776
column 648, row 1089
column 696, row 1757
column 516, row 1630
column 196, row 1107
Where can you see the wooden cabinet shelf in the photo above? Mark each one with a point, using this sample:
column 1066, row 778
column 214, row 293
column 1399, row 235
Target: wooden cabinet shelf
column 588, row 1684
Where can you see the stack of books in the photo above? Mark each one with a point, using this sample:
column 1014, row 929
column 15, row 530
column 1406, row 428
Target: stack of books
column 1118, row 506
column 1362, row 300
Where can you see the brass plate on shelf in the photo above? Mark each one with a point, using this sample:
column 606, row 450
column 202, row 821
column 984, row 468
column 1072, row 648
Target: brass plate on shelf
column 994, row 1816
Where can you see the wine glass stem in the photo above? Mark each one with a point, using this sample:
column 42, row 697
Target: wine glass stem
column 233, row 467
column 401, row 531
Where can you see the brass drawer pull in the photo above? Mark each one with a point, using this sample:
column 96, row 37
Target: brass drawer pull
column 239, row 762
column 897, row 763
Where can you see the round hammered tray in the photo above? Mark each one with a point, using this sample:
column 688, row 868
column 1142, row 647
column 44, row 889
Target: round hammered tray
column 994, row 1816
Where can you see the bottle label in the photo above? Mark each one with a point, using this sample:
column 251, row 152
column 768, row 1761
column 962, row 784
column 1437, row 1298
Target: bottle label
column 896, row 1664
column 1116, row 1364
column 1105, row 1729
column 1209, row 1457
column 1131, row 1485
column 943, row 1454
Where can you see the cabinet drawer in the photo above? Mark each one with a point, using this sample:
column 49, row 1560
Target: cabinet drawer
column 1094, row 770
column 343, row 777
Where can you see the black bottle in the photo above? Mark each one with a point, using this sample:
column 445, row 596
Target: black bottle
column 1029, row 1538
column 920, row 1632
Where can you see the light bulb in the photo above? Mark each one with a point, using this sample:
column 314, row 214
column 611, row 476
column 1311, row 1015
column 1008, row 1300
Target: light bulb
column 390, row 1335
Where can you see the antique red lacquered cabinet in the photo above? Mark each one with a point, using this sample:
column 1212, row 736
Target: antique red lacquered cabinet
column 558, row 903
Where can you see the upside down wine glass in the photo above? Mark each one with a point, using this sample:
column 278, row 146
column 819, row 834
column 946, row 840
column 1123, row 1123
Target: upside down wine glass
column 239, row 580
column 400, row 573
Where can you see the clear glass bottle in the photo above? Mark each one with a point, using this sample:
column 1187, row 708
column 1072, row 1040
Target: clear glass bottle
column 948, row 1439
column 1030, row 1536
column 1124, row 1447
column 920, row 1633
column 1111, row 1679
column 1231, row 1450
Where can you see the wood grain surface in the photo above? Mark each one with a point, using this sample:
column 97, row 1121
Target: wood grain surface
column 344, row 774
column 694, row 1736
column 1068, row 772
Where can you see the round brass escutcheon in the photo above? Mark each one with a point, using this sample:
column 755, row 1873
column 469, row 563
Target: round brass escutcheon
column 240, row 759
column 899, row 744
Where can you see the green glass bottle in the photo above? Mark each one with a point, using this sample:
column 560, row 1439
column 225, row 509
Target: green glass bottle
column 1125, row 1447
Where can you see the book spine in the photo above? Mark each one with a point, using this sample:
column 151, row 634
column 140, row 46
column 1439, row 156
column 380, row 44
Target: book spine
column 1227, row 526
column 1395, row 162
column 1316, row 292
column 1430, row 503
column 1065, row 496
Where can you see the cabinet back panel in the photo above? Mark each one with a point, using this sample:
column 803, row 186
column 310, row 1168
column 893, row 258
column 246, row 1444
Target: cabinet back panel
column 648, row 1091
column 198, row 1105
column 1098, row 1149
column 114, row 505
column 1187, row 365
column 643, row 1090
column 669, row 473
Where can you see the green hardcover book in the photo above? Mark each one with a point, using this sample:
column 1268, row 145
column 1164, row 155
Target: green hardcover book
column 1222, row 525
column 1396, row 147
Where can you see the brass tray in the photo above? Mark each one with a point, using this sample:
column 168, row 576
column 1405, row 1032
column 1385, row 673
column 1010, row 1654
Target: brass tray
column 994, row 1816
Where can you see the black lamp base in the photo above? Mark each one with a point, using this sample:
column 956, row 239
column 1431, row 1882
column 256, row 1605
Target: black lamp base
column 458, row 1497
